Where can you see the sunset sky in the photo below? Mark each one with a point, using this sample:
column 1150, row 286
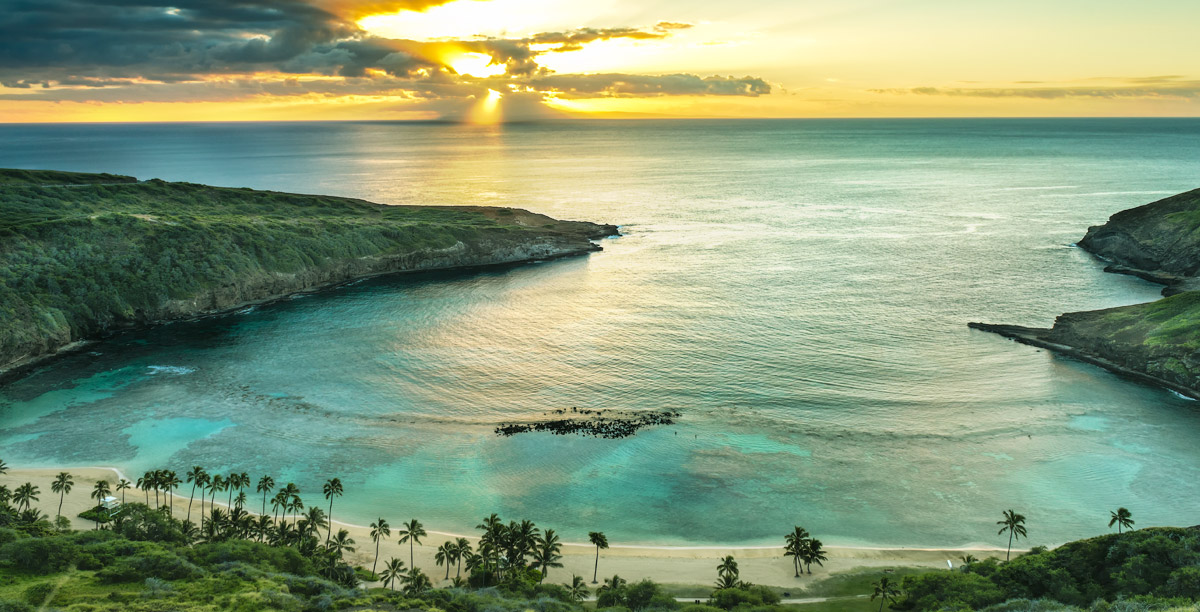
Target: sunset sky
column 492, row 60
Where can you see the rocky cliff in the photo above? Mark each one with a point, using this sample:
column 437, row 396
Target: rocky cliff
column 83, row 255
column 1158, row 342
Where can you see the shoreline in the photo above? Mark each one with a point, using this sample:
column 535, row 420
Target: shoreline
column 1030, row 336
column 679, row 565
column 20, row 368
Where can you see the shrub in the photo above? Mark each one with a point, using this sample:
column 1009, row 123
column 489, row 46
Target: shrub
column 35, row 594
column 940, row 590
column 39, row 555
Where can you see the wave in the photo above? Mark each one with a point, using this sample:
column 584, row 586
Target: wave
column 176, row 370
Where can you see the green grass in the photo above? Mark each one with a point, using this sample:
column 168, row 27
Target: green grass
column 80, row 254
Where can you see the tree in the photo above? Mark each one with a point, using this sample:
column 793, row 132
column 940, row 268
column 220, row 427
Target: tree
column 332, row 489
column 611, row 593
column 62, row 485
column 341, row 543
column 380, row 530
column 265, row 485
column 144, row 483
column 600, row 542
column 171, row 482
column 1121, row 518
column 393, row 572
column 25, row 495
column 100, row 491
column 546, row 555
column 122, row 486
column 578, row 588
column 416, row 582
column 1014, row 524
column 968, row 559
column 814, row 552
column 193, row 477
column 444, row 556
column 3, row 468
column 794, row 545
column 728, row 567
column 462, row 549
column 412, row 532
column 215, row 485
column 886, row 591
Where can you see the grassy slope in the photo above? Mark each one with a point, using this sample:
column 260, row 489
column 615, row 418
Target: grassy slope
column 1160, row 236
column 1158, row 241
column 81, row 253
column 1160, row 338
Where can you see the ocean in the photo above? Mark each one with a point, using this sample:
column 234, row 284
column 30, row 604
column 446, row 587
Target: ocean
column 798, row 290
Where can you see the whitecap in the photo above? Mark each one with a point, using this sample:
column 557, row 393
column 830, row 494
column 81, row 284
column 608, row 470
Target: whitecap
column 176, row 370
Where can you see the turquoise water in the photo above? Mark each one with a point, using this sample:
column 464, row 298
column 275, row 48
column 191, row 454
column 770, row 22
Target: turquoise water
column 799, row 290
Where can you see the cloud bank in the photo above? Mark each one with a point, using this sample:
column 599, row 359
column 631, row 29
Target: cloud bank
column 216, row 50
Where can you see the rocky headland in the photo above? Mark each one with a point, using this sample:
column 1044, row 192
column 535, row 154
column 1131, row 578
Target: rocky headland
column 83, row 255
column 1156, row 343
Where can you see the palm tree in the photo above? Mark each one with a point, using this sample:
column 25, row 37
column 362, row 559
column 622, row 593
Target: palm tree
column 411, row 532
column 727, row 581
column 794, row 544
column 578, row 588
column 342, row 543
column 462, row 550
column 380, row 530
column 315, row 518
column 546, row 555
column 100, row 491
column 599, row 541
column 216, row 485
column 171, row 482
column 265, row 485
column 332, row 489
column 288, row 496
column 968, row 559
column 1014, row 524
column 728, row 566
column 612, row 584
column 194, row 476
column 392, row 573
column 62, row 485
column 25, row 495
column 240, row 501
column 814, row 552
column 1121, row 518
column 3, row 468
column 416, row 582
column 143, row 483
column 444, row 556
column 886, row 591
column 122, row 486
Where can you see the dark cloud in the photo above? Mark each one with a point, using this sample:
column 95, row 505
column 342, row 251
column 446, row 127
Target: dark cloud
column 178, row 50
column 633, row 85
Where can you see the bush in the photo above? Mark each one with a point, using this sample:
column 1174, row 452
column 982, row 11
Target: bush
column 15, row 606
column 159, row 563
column 729, row 599
column 35, row 594
column 647, row 594
column 941, row 590
column 263, row 556
column 39, row 555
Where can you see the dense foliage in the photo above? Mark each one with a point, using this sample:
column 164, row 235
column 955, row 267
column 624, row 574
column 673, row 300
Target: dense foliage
column 84, row 253
column 1157, row 563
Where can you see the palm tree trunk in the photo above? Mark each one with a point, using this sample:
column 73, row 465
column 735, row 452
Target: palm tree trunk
column 60, row 501
column 596, row 570
column 458, row 572
column 881, row 600
column 376, row 557
column 264, row 502
column 1009, row 554
column 447, row 572
column 329, row 529
column 796, row 565
column 411, row 564
column 190, row 500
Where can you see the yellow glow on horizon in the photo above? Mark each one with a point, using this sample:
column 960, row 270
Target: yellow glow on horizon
column 478, row 65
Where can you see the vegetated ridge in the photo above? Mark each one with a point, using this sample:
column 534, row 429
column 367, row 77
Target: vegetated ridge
column 82, row 255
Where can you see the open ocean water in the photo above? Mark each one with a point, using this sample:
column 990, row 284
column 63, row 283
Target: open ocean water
column 799, row 290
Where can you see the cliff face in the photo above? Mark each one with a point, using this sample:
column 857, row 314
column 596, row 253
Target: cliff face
column 1159, row 241
column 1158, row 342
column 82, row 255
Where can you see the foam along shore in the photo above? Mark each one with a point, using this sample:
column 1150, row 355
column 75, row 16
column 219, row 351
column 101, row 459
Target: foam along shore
column 682, row 565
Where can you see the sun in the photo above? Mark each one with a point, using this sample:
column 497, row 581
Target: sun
column 478, row 65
